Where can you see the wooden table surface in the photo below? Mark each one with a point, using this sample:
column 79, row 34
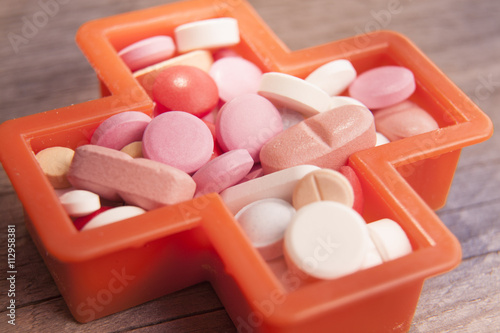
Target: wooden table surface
column 42, row 69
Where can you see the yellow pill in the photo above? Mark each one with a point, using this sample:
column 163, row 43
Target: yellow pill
column 133, row 149
column 55, row 162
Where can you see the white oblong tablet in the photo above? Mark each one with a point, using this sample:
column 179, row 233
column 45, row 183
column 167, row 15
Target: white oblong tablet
column 207, row 34
column 113, row 215
column 326, row 240
column 389, row 238
column 333, row 77
column 264, row 222
column 294, row 93
column 381, row 139
column 80, row 202
column 338, row 101
column 279, row 184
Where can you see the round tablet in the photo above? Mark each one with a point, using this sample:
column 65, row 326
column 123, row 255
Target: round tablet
column 207, row 34
column 147, row 52
column 294, row 93
column 324, row 184
column 389, row 238
column 223, row 171
column 178, row 139
column 235, row 76
column 247, row 122
column 333, row 77
column 120, row 129
column 185, row 88
column 383, row 86
column 265, row 222
column 113, row 215
column 133, row 149
column 80, row 202
column 55, row 163
column 326, row 240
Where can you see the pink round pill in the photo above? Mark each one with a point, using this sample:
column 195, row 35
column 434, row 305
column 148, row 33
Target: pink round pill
column 121, row 129
column 247, row 121
column 147, row 52
column 235, row 76
column 222, row 172
column 178, row 139
column 383, row 86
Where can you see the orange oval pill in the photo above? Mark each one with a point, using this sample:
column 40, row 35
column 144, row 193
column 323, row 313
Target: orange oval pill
column 323, row 185
column 55, row 162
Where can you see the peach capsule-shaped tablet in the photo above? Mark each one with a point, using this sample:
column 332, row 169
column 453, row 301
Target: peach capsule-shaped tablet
column 235, row 76
column 264, row 222
column 114, row 175
column 324, row 184
column 247, row 122
column 403, row 120
column 389, row 238
column 80, row 202
column 178, row 139
column 55, row 163
column 383, row 86
column 120, row 129
column 326, row 140
column 147, row 52
column 276, row 185
column 223, row 171
column 326, row 240
column 207, row 34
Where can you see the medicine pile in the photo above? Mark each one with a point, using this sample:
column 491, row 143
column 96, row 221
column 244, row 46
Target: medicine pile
column 274, row 146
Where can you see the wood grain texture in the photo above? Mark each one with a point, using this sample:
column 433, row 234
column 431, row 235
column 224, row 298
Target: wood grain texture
column 46, row 71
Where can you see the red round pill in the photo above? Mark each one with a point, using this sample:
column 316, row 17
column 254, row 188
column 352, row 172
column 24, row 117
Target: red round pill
column 185, row 88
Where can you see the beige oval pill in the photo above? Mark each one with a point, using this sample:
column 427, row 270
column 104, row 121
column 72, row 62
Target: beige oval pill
column 133, row 149
column 55, row 162
column 323, row 185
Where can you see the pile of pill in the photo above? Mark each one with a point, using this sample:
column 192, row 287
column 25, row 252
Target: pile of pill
column 274, row 146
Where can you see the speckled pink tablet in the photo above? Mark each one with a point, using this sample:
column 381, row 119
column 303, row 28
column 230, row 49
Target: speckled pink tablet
column 325, row 140
column 235, row 76
column 247, row 121
column 147, row 52
column 403, row 120
column 114, row 175
column 178, row 139
column 383, row 86
column 222, row 172
column 121, row 129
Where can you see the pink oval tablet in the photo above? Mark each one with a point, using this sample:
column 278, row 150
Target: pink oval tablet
column 403, row 120
column 235, row 76
column 178, row 139
column 121, row 129
column 383, row 86
column 147, row 52
column 247, row 121
column 222, row 172
column 325, row 140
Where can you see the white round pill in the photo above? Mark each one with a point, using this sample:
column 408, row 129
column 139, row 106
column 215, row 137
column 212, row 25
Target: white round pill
column 389, row 238
column 338, row 101
column 333, row 77
column 207, row 34
column 326, row 240
column 294, row 93
column 113, row 215
column 381, row 139
column 264, row 222
column 80, row 202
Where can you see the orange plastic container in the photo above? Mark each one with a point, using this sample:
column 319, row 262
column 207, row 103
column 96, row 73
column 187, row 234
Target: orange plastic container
column 109, row 269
